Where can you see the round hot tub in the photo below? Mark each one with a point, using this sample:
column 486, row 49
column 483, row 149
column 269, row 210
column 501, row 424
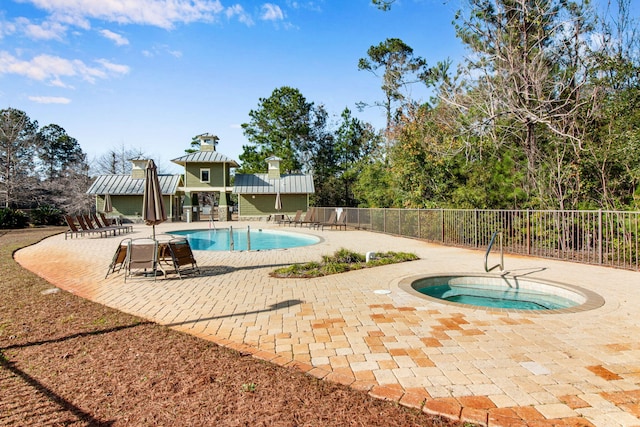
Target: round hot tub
column 502, row 292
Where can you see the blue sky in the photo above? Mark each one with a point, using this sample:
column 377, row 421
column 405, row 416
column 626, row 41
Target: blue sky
column 151, row 74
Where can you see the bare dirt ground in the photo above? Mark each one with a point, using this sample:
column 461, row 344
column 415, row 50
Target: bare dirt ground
column 66, row 361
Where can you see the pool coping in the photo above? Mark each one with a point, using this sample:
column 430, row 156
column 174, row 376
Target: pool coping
column 592, row 299
column 317, row 240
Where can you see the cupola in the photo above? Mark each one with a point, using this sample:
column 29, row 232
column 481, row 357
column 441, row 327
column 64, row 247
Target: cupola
column 274, row 167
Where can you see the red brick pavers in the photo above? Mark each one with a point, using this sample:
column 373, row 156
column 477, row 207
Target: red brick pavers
column 491, row 368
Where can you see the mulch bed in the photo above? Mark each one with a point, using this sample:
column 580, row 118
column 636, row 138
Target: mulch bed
column 68, row 361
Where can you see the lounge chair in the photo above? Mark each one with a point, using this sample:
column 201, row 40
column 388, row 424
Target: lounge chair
column 341, row 222
column 106, row 225
column 89, row 229
column 330, row 222
column 73, row 228
column 182, row 257
column 115, row 222
column 309, row 218
column 119, row 257
column 93, row 223
column 142, row 259
column 295, row 219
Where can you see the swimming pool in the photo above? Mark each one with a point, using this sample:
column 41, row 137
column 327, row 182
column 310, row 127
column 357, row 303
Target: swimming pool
column 259, row 239
column 502, row 292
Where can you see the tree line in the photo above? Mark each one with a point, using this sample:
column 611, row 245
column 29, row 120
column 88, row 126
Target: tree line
column 40, row 167
column 541, row 114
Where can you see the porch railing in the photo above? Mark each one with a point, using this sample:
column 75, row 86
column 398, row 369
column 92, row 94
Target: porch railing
column 610, row 238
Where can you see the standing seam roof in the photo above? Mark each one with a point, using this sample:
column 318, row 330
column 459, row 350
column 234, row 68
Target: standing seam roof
column 205, row 157
column 125, row 185
column 261, row 184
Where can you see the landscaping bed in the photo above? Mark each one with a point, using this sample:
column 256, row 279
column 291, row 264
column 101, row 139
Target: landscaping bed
column 341, row 261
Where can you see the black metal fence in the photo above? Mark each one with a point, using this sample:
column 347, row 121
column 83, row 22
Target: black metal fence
column 609, row 238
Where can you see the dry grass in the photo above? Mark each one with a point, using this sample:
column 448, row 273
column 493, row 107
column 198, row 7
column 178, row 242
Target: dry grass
column 68, row 361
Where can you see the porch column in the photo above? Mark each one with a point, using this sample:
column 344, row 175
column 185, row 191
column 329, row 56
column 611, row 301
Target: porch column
column 223, row 207
column 187, row 207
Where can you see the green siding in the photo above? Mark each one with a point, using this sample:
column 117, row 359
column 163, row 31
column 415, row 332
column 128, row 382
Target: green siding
column 130, row 206
column 264, row 204
column 217, row 174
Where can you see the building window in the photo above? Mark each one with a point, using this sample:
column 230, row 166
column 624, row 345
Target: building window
column 204, row 175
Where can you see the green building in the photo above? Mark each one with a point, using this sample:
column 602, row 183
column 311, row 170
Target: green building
column 257, row 193
column 205, row 188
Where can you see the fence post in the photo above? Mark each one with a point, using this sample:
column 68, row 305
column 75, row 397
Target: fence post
column 419, row 228
column 600, row 236
column 475, row 228
column 528, row 232
column 442, row 225
column 384, row 220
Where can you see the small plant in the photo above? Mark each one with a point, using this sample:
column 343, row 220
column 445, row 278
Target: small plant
column 341, row 261
column 100, row 321
column 70, row 318
column 249, row 387
column 344, row 256
column 336, row 267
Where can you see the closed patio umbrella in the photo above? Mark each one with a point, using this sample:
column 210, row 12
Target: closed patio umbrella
column 108, row 207
column 152, row 204
column 278, row 201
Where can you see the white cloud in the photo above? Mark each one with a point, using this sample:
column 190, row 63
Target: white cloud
column 49, row 99
column 52, row 69
column 160, row 13
column 271, row 12
column 315, row 6
column 6, row 28
column 114, row 68
column 47, row 30
column 238, row 10
column 161, row 50
column 118, row 39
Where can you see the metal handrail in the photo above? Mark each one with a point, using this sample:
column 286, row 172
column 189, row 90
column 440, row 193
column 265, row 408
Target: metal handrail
column 486, row 255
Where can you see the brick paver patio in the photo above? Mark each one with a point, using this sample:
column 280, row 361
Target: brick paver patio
column 493, row 368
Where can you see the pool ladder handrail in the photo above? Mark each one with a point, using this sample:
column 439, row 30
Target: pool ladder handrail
column 486, row 255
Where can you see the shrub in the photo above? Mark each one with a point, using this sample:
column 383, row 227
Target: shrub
column 336, row 267
column 346, row 256
column 13, row 218
column 46, row 215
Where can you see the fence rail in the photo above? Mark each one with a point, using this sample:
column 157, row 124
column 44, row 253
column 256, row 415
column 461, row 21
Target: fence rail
column 609, row 238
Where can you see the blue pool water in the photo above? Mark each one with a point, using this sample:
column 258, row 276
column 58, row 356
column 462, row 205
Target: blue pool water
column 218, row 239
column 498, row 296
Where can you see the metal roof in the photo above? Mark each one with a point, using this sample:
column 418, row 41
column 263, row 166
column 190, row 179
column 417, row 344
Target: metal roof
column 205, row 157
column 261, row 184
column 125, row 185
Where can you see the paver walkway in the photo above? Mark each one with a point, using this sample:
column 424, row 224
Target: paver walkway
column 493, row 368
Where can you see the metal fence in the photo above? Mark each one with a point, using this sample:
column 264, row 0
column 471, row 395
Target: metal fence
column 609, row 238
